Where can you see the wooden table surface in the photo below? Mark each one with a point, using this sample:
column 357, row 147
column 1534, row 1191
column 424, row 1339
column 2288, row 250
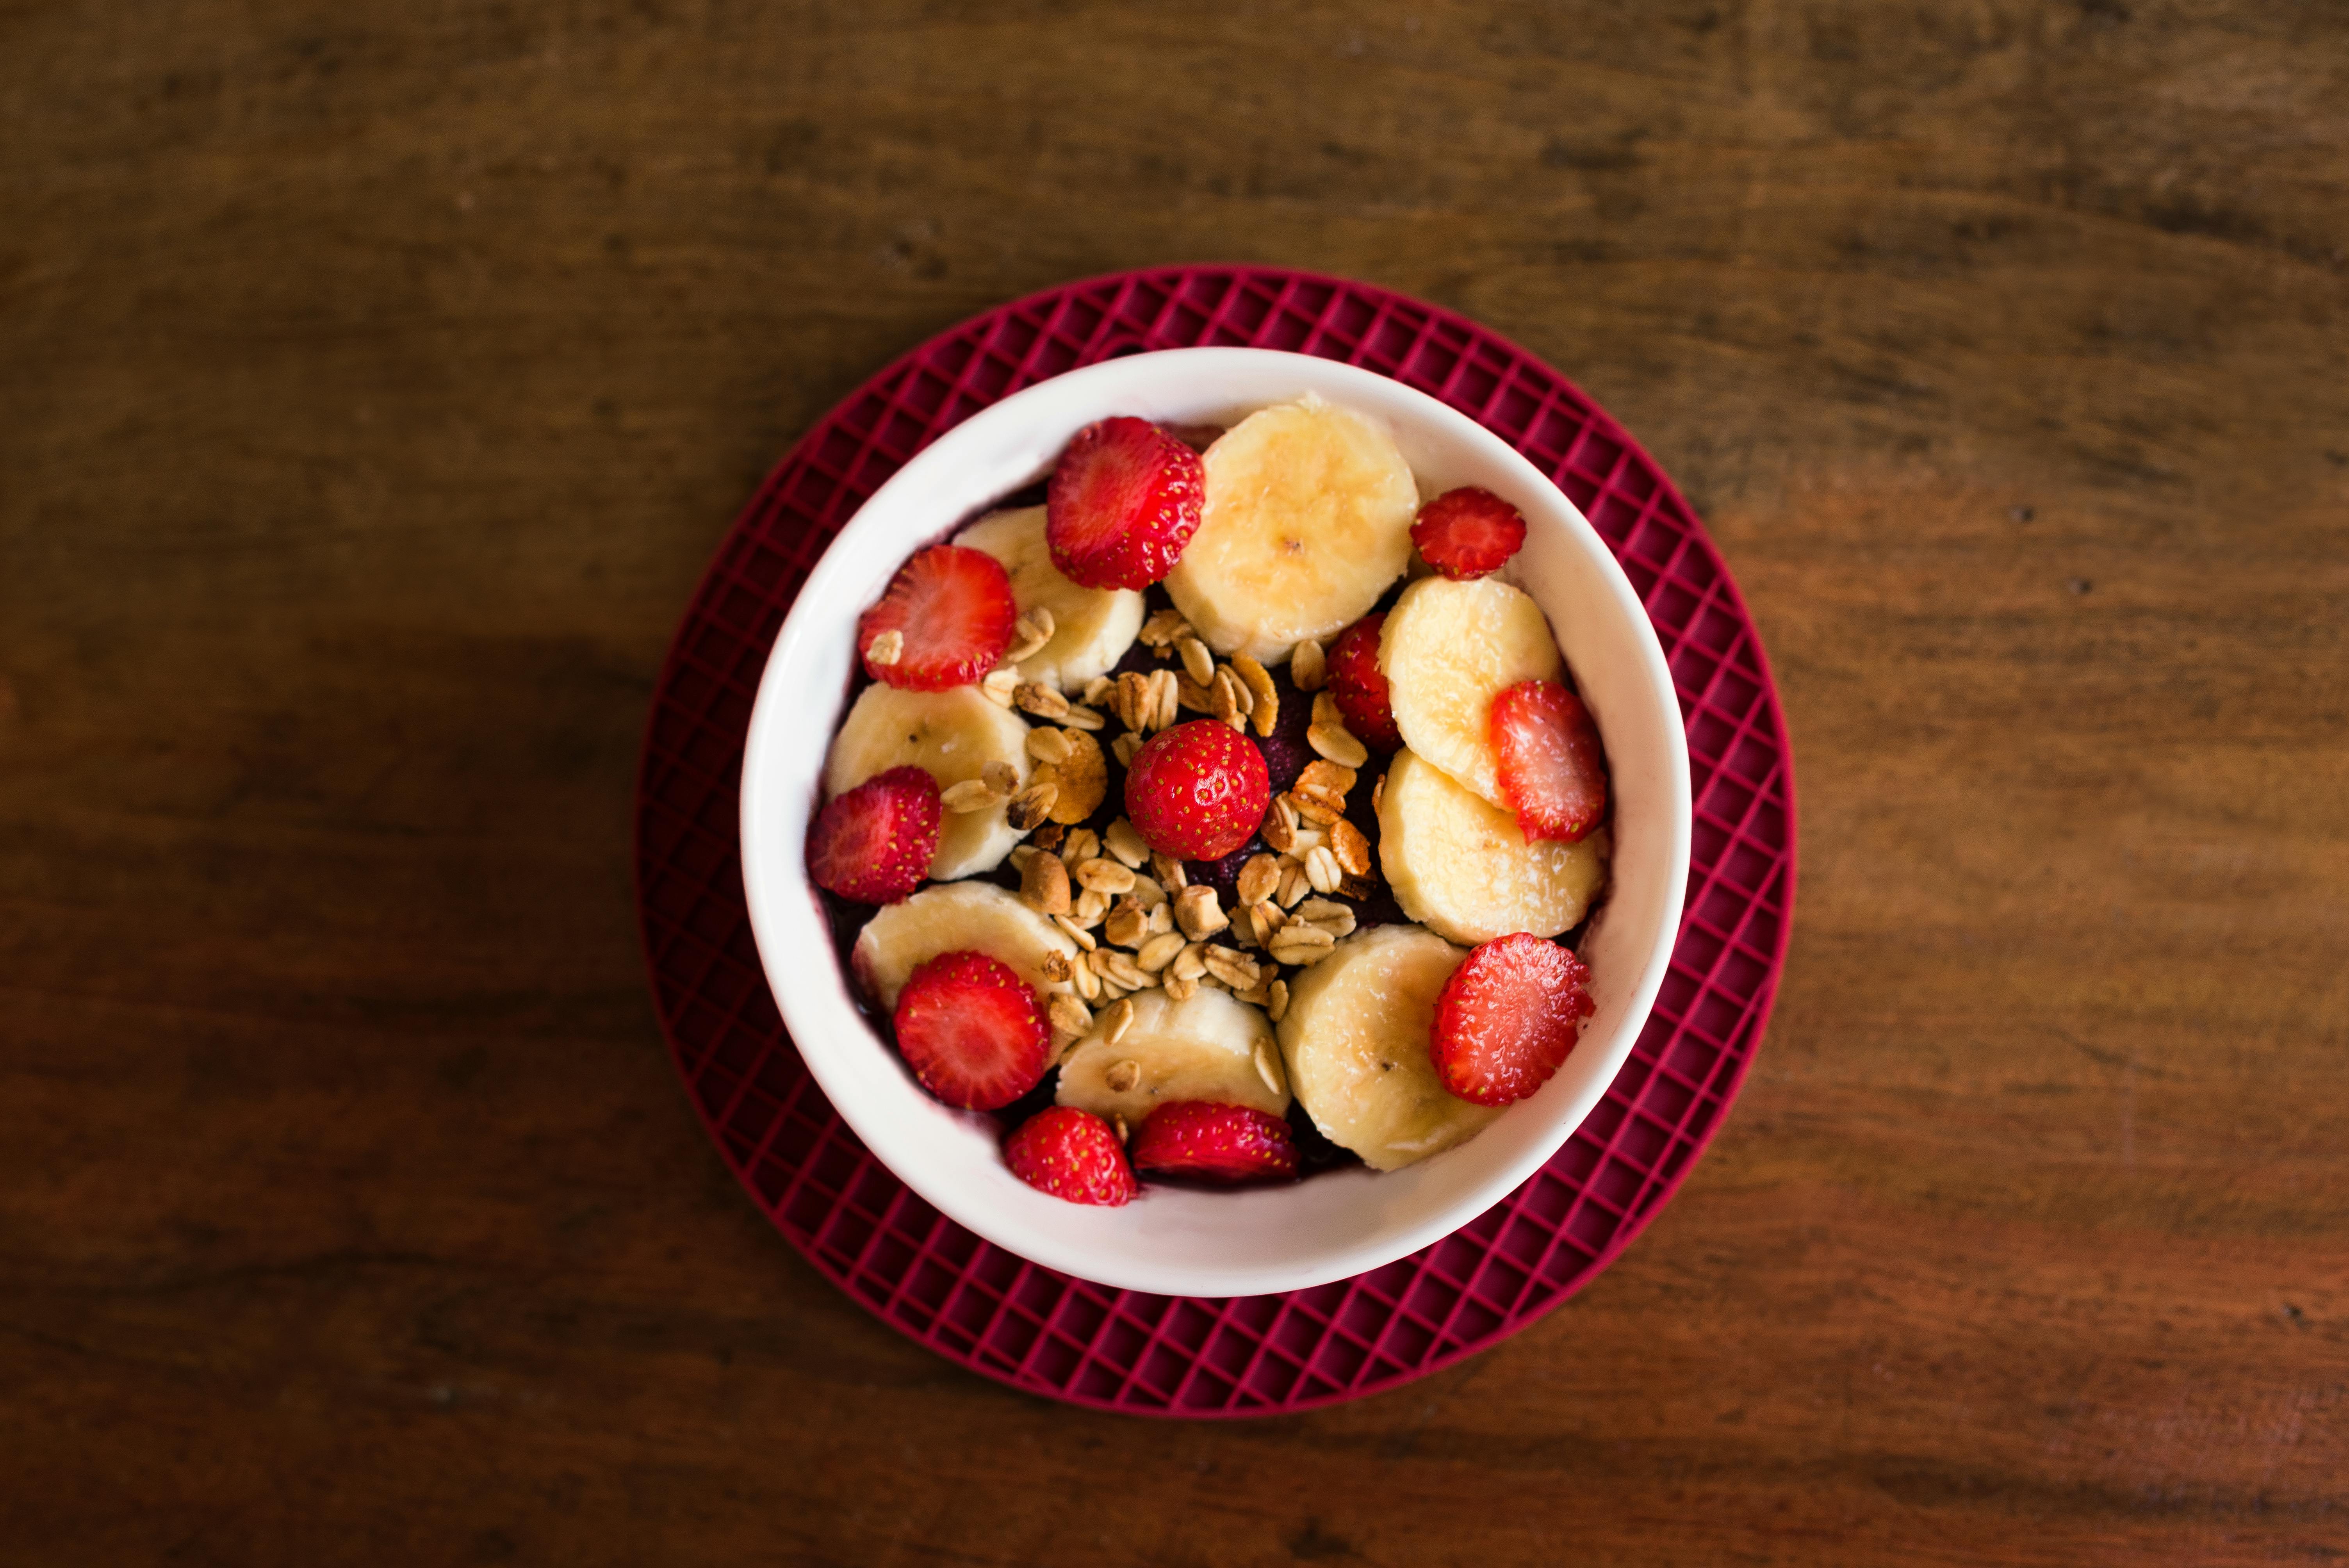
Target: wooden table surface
column 376, row 380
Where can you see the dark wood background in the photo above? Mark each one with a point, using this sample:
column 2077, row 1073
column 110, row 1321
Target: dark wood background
column 376, row 379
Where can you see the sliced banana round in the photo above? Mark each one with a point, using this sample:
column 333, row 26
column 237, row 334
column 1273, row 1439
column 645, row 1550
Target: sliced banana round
column 952, row 734
column 1092, row 628
column 1209, row 1047
column 955, row 917
column 1447, row 650
column 1306, row 521
column 1462, row 868
column 1356, row 1039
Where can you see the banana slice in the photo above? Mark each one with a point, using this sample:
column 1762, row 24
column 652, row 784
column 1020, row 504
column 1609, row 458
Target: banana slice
column 1447, row 650
column 1356, row 1037
column 1210, row 1046
column 1307, row 518
column 1462, row 868
column 954, row 734
column 955, row 917
column 1092, row 628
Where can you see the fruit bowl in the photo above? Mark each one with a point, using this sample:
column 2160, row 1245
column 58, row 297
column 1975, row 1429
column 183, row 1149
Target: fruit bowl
column 1180, row 1241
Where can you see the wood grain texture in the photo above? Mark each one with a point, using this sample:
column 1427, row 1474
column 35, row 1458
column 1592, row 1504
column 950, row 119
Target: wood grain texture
column 375, row 379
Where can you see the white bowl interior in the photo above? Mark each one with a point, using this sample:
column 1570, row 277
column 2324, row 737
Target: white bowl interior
column 1186, row 1242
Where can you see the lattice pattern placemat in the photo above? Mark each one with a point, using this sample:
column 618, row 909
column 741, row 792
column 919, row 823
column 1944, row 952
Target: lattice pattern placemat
column 1068, row 1339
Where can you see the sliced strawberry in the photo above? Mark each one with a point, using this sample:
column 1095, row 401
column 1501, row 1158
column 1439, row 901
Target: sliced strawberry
column 973, row 1032
column 873, row 843
column 1360, row 690
column 1124, row 502
column 1217, row 1142
column 1467, row 532
column 1552, row 767
column 952, row 613
column 1072, row 1154
column 1507, row 1017
column 1197, row 791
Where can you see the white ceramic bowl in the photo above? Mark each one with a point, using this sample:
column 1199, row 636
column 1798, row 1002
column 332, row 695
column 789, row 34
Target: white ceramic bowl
column 1184, row 1242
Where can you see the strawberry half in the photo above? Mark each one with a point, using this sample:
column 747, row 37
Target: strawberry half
column 1507, row 1017
column 873, row 843
column 1124, row 502
column 1359, row 689
column 1217, row 1142
column 1552, row 767
column 1197, row 791
column 1072, row 1154
column 952, row 613
column 973, row 1032
column 1467, row 532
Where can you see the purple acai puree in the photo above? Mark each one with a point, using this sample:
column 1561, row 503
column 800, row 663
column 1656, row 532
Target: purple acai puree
column 1285, row 750
column 1224, row 875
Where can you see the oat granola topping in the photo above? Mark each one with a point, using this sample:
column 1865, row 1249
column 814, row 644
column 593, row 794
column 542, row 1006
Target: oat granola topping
column 1163, row 629
column 970, row 795
column 1127, row 924
column 1234, row 968
column 1351, row 847
column 1029, row 635
column 1199, row 913
column 1338, row 744
column 1124, row 841
column 1264, row 698
column 1166, row 686
column 1279, row 827
column 1159, row 951
column 1307, row 667
column 1044, row 884
column 1104, row 875
column 1319, row 792
column 1033, row 696
column 1070, row 1016
column 1080, row 781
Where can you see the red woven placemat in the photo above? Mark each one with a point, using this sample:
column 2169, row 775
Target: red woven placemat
column 1068, row 1339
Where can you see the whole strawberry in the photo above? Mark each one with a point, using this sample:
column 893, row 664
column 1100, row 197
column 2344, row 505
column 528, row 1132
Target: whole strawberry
column 1124, row 502
column 873, row 843
column 1359, row 689
column 1197, row 791
column 1506, row 1018
column 1467, row 532
column 1072, row 1154
column 1214, row 1143
column 974, row 1033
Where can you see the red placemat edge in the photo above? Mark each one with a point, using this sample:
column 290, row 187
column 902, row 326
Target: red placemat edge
column 1633, row 1225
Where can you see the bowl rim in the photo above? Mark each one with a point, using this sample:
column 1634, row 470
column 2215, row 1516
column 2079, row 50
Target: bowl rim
column 771, row 901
